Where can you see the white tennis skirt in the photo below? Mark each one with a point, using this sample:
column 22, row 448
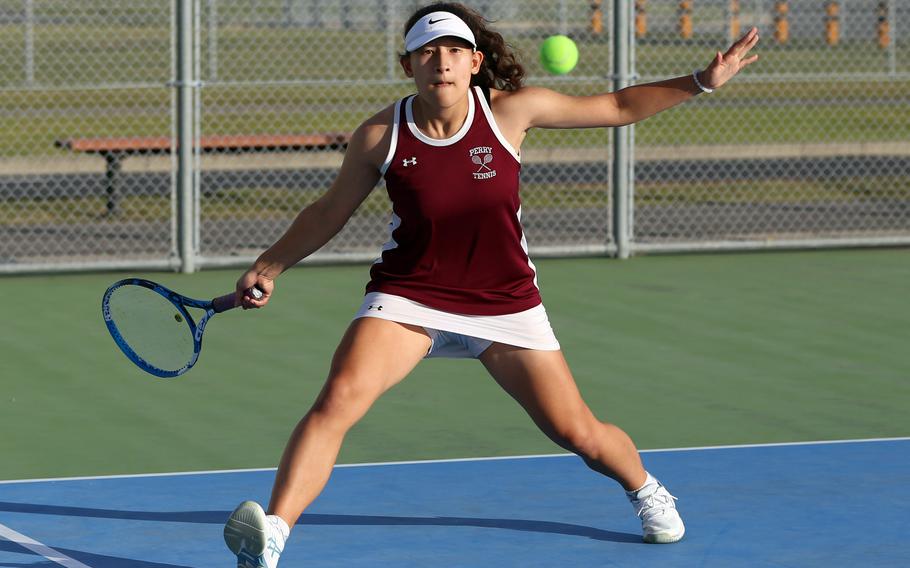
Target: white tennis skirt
column 529, row 329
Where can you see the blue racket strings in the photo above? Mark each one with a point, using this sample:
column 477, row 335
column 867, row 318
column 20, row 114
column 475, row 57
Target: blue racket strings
column 152, row 327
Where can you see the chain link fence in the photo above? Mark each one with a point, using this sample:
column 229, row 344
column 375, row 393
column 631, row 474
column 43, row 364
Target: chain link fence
column 807, row 148
column 316, row 67
column 83, row 70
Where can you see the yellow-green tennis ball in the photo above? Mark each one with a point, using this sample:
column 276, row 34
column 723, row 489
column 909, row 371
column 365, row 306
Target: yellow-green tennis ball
column 558, row 54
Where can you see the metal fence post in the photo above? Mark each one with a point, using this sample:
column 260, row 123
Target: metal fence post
column 391, row 7
column 29, row 42
column 892, row 45
column 563, row 18
column 186, row 214
column 212, row 40
column 622, row 136
column 197, row 126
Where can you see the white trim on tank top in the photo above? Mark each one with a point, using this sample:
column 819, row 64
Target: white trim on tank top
column 488, row 112
column 409, row 114
column 524, row 247
column 390, row 244
column 393, row 145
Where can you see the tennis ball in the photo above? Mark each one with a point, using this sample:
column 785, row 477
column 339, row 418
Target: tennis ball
column 558, row 54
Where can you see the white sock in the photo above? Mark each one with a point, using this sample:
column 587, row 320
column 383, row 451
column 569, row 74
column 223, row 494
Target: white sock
column 282, row 526
column 650, row 480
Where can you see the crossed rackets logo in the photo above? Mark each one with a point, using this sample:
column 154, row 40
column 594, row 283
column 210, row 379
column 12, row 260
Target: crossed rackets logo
column 482, row 156
column 487, row 158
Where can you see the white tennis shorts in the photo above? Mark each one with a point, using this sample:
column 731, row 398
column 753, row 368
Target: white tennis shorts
column 459, row 335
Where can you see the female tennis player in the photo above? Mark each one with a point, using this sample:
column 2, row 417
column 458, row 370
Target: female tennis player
column 454, row 278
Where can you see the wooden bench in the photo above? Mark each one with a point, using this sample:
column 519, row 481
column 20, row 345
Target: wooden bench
column 115, row 150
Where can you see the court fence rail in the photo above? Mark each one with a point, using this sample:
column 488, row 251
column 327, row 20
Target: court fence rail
column 809, row 147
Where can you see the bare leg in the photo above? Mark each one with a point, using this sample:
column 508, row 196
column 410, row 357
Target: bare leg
column 373, row 356
column 541, row 382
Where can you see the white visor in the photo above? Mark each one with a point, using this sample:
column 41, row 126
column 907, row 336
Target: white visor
column 437, row 25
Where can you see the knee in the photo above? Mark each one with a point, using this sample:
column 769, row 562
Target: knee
column 344, row 399
column 578, row 436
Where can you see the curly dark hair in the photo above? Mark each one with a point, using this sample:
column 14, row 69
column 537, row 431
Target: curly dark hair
column 500, row 68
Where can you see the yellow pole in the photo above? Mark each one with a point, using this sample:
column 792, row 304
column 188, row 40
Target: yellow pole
column 832, row 23
column 884, row 26
column 734, row 20
column 685, row 19
column 597, row 17
column 781, row 25
column 641, row 18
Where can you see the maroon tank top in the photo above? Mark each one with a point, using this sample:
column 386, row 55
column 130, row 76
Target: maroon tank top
column 456, row 243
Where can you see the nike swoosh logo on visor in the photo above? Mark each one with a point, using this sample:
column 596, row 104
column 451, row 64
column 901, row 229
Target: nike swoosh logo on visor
column 431, row 22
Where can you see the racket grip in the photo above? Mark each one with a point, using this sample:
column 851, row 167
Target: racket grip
column 229, row 301
column 224, row 303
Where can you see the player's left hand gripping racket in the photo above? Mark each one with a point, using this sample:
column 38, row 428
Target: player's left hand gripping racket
column 153, row 328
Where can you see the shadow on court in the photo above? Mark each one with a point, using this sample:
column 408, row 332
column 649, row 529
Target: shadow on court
column 218, row 518
column 93, row 560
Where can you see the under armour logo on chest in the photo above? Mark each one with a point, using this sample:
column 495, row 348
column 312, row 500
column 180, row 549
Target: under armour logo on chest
column 412, row 161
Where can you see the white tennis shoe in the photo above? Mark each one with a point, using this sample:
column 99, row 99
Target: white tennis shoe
column 256, row 538
column 660, row 521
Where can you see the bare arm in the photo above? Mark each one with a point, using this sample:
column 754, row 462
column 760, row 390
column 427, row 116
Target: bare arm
column 550, row 109
column 318, row 222
column 536, row 107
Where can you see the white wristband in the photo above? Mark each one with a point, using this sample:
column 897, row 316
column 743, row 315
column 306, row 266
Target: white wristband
column 703, row 88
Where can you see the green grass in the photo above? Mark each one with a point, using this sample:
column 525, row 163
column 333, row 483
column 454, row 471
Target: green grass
column 774, row 191
column 793, row 124
column 742, row 114
column 678, row 350
column 661, row 57
column 284, row 203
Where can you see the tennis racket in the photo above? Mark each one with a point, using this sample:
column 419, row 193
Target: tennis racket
column 151, row 324
column 487, row 158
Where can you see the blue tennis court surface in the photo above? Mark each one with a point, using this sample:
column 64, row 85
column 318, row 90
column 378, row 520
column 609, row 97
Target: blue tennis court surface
column 818, row 504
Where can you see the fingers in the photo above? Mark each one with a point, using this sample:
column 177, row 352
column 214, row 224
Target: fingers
column 264, row 286
column 753, row 39
column 745, row 44
column 748, row 61
column 725, row 65
column 750, row 36
column 246, row 300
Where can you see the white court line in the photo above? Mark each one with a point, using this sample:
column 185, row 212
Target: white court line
column 456, row 460
column 778, row 445
column 39, row 549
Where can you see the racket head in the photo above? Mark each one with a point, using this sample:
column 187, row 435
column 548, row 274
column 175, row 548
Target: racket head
column 152, row 327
